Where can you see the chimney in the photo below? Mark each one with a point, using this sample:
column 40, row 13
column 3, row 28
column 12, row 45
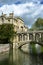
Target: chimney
column 11, row 14
column 3, row 15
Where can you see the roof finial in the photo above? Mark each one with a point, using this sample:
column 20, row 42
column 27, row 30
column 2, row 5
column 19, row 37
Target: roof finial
column 2, row 13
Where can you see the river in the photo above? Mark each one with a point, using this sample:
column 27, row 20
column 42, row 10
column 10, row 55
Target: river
column 22, row 58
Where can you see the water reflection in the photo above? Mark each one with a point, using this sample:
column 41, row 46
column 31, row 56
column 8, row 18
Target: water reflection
column 4, row 54
column 20, row 58
column 4, row 62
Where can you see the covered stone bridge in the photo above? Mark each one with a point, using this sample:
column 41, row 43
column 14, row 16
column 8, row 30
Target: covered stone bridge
column 30, row 36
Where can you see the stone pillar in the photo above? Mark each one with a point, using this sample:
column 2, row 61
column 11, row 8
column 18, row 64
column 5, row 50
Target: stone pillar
column 34, row 37
column 28, row 36
column 40, row 37
column 25, row 37
column 22, row 37
column 17, row 38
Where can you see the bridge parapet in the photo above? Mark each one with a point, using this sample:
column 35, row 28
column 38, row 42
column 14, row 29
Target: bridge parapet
column 27, row 37
column 30, row 35
column 41, row 31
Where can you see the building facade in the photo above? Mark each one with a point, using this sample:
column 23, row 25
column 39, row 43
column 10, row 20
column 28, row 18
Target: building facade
column 18, row 23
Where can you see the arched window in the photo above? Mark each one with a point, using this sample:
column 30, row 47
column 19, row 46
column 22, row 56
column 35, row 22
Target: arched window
column 30, row 36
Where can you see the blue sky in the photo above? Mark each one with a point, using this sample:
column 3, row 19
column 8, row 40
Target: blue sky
column 29, row 10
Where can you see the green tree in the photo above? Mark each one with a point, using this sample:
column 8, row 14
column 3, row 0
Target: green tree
column 7, row 34
column 7, row 31
column 38, row 24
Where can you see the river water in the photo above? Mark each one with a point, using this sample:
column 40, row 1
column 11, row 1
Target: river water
column 22, row 58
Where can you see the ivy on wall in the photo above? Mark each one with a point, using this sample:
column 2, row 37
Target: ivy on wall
column 6, row 32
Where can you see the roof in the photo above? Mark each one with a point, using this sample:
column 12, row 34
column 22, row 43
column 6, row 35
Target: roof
column 10, row 17
column 19, row 18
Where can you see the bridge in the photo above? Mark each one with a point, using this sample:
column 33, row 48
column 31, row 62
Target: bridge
column 35, row 37
column 21, row 43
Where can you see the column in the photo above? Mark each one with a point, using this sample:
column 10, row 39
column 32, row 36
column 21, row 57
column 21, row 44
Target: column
column 25, row 37
column 40, row 37
column 28, row 36
column 17, row 38
column 22, row 37
column 34, row 38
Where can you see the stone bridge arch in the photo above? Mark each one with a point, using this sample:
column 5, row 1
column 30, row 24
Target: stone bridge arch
column 31, row 42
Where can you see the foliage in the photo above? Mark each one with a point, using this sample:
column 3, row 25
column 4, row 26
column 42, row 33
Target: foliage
column 41, row 49
column 6, row 31
column 33, row 48
column 31, row 29
column 38, row 25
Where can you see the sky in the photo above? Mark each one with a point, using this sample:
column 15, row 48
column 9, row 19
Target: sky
column 29, row 10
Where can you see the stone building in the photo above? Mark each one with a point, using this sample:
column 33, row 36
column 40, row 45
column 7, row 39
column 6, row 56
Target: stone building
column 19, row 25
column 17, row 21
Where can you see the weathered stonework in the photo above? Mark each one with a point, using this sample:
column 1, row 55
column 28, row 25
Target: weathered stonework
column 19, row 25
column 17, row 21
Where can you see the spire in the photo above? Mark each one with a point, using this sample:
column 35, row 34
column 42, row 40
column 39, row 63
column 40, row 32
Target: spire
column 2, row 18
column 2, row 13
column 11, row 14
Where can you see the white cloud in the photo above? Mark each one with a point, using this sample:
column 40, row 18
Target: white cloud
column 18, row 9
column 38, row 11
column 30, row 11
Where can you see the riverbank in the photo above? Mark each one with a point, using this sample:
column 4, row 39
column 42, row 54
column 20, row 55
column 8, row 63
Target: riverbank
column 4, row 51
column 4, row 47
